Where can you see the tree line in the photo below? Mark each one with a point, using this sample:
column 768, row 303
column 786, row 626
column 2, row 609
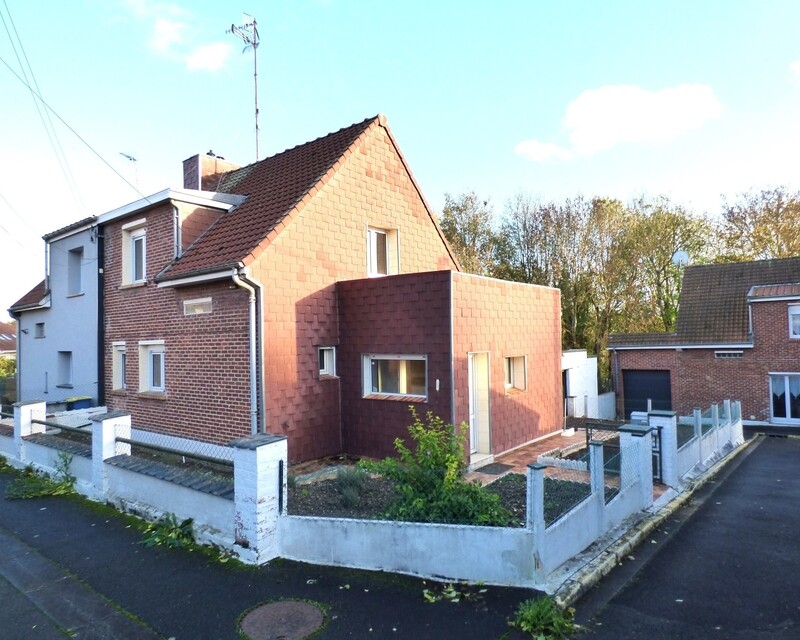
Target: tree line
column 619, row 266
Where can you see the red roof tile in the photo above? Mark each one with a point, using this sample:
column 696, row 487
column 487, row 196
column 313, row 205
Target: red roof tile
column 274, row 187
column 31, row 299
column 714, row 299
column 775, row 291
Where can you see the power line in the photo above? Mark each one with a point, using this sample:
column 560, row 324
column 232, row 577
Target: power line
column 52, row 134
column 75, row 133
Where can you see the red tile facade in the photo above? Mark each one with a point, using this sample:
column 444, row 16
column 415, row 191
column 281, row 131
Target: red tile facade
column 509, row 320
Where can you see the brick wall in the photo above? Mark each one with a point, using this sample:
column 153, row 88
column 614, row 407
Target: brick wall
column 325, row 242
column 699, row 379
column 403, row 315
column 508, row 320
column 206, row 362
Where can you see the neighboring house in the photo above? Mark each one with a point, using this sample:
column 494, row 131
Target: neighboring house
column 8, row 340
column 738, row 336
column 579, row 384
column 57, row 321
column 312, row 294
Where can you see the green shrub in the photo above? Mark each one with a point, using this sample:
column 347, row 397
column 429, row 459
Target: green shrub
column 33, row 484
column 543, row 619
column 168, row 532
column 349, row 484
column 430, row 478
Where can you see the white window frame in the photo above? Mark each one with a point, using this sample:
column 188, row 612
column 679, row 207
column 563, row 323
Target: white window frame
column 326, row 359
column 794, row 321
column 75, row 271
column 515, row 372
column 367, row 377
column 152, row 360
column 65, row 364
column 197, row 307
column 787, row 389
column 389, row 238
column 119, row 361
column 132, row 233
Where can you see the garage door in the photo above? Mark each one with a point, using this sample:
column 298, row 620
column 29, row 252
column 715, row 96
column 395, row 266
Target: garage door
column 640, row 385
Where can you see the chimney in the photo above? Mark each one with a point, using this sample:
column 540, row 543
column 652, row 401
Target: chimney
column 204, row 170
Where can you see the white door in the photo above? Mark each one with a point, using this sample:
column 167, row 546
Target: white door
column 478, row 372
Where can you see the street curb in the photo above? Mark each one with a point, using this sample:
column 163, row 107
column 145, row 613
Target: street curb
column 577, row 585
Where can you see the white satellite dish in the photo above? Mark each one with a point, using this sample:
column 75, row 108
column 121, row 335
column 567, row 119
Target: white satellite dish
column 680, row 258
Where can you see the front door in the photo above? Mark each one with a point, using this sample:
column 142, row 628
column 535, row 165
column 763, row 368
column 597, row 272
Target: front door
column 478, row 365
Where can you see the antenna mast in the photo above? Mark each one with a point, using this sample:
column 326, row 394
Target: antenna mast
column 248, row 33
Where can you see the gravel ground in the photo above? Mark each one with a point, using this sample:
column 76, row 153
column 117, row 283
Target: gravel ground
column 322, row 498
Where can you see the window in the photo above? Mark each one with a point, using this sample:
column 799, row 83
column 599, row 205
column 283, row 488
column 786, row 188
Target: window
column 794, row 321
column 724, row 355
column 785, row 397
column 152, row 370
column 64, row 369
column 119, row 362
column 327, row 361
column 381, row 252
column 515, row 373
column 74, row 267
column 395, row 375
column 196, row 307
column 38, row 330
column 134, row 252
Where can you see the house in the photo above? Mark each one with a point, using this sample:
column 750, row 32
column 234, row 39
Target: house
column 8, row 340
column 312, row 294
column 737, row 336
column 57, row 321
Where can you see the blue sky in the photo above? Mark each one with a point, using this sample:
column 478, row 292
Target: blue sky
column 619, row 99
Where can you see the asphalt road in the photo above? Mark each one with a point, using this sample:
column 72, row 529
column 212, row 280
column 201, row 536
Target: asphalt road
column 725, row 567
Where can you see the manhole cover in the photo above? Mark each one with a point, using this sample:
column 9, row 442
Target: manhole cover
column 284, row 620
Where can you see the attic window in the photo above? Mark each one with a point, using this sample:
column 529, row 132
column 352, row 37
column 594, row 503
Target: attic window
column 196, row 307
column 723, row 355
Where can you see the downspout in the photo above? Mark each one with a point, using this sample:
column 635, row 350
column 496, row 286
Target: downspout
column 17, row 386
column 101, row 323
column 252, row 332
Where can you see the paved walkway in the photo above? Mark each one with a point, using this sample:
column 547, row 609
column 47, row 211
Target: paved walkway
column 725, row 567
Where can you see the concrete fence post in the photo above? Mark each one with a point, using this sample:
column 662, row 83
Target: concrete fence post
column 697, row 414
column 726, row 407
column 534, row 520
column 259, row 486
column 106, row 428
column 666, row 422
column 24, row 414
column 637, row 441
column 597, row 474
column 737, row 432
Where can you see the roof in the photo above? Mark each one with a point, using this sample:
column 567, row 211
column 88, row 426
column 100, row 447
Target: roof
column 274, row 187
column 769, row 291
column 31, row 300
column 70, row 227
column 8, row 336
column 713, row 307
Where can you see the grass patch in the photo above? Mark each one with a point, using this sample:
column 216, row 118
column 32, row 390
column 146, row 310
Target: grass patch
column 543, row 619
column 33, row 484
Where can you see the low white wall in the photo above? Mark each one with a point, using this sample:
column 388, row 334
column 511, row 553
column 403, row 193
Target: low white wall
column 625, row 503
column 570, row 534
column 494, row 555
column 147, row 496
column 7, row 446
column 688, row 456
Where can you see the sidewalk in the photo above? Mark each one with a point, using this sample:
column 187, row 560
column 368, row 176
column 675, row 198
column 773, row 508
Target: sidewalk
column 66, row 564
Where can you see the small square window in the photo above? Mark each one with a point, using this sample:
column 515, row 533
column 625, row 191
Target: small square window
column 196, row 307
column 152, row 366
column 327, row 361
column 38, row 331
column 794, row 321
column 515, row 374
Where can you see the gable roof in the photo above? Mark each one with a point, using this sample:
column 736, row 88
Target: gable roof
column 8, row 337
column 275, row 188
column 714, row 300
column 34, row 299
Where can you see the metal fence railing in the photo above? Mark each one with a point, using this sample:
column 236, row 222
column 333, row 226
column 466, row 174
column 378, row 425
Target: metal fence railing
column 564, row 489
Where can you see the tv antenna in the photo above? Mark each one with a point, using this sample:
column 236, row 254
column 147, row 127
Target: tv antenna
column 133, row 161
column 248, row 33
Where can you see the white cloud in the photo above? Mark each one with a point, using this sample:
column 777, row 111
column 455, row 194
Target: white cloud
column 794, row 67
column 166, row 34
column 211, row 57
column 541, row 151
column 599, row 119
column 603, row 118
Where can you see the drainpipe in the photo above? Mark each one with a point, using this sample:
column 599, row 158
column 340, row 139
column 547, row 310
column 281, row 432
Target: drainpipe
column 240, row 280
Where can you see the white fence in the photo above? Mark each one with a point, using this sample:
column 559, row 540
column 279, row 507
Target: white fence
column 255, row 526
